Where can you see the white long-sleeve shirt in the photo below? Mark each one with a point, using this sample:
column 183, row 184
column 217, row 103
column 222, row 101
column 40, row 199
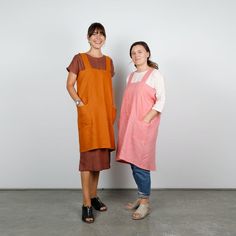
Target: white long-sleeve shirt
column 156, row 81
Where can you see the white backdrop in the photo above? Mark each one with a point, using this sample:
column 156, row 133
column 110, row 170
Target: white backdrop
column 194, row 44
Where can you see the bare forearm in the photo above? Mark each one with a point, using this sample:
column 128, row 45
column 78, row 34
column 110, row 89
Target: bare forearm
column 151, row 115
column 70, row 85
column 71, row 90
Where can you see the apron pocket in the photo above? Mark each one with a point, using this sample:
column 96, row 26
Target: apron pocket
column 84, row 117
column 141, row 129
column 140, row 136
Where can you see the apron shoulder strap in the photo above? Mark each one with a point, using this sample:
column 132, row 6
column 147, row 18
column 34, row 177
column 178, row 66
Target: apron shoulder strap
column 85, row 60
column 145, row 77
column 108, row 64
column 130, row 78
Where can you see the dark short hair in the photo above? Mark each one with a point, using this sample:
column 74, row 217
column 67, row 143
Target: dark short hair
column 96, row 26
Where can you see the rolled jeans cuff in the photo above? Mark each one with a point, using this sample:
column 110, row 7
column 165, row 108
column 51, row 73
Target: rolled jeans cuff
column 143, row 195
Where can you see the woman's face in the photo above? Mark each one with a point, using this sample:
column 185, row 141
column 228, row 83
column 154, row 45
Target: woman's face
column 139, row 55
column 96, row 40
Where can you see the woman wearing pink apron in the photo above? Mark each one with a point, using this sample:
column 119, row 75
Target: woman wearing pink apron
column 141, row 109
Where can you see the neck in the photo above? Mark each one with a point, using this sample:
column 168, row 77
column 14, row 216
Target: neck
column 95, row 52
column 142, row 68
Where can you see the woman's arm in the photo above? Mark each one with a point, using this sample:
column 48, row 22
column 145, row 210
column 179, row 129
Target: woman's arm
column 150, row 115
column 158, row 85
column 70, row 85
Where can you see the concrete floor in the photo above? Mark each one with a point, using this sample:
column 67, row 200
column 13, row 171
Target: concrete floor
column 174, row 213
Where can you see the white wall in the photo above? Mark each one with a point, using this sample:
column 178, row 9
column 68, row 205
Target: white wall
column 194, row 44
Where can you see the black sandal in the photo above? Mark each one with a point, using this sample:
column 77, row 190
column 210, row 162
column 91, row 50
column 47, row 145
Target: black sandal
column 87, row 214
column 98, row 204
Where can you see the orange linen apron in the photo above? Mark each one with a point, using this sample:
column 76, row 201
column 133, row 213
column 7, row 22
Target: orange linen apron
column 96, row 117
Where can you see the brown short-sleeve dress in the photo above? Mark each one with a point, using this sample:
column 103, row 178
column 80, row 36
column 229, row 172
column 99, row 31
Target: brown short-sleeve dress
column 97, row 159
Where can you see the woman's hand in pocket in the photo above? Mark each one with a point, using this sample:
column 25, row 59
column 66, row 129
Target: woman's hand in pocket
column 146, row 120
column 150, row 116
column 81, row 104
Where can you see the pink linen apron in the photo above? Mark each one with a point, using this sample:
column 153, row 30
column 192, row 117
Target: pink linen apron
column 136, row 138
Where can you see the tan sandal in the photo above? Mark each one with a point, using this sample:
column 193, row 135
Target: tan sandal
column 142, row 211
column 134, row 205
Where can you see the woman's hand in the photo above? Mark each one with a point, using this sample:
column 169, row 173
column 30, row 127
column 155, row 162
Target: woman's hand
column 150, row 115
column 147, row 119
column 70, row 85
column 81, row 104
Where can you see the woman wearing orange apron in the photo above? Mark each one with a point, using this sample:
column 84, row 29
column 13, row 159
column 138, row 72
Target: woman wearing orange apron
column 142, row 105
column 92, row 71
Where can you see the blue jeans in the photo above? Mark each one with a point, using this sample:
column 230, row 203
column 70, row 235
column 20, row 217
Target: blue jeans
column 143, row 180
